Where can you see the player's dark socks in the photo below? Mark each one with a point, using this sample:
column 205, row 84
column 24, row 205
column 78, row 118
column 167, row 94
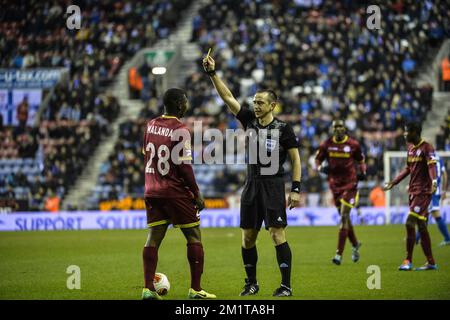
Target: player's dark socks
column 442, row 228
column 195, row 257
column 352, row 236
column 343, row 233
column 410, row 241
column 426, row 245
column 150, row 258
column 284, row 258
column 250, row 258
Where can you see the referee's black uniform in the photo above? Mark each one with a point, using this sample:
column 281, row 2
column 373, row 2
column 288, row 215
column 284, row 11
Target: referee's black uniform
column 263, row 197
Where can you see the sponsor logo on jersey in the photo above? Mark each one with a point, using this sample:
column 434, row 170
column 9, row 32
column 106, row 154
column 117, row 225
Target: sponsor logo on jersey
column 339, row 155
column 271, row 144
column 415, row 159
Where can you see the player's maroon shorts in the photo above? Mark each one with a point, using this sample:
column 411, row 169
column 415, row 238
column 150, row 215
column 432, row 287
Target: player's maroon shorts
column 181, row 212
column 418, row 205
column 347, row 197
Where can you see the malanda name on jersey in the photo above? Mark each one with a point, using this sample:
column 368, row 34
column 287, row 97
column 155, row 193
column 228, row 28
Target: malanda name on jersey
column 160, row 131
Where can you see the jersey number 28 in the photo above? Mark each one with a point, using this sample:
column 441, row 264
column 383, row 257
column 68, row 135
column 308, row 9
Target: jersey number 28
column 162, row 165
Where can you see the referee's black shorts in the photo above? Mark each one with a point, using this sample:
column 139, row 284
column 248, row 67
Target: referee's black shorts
column 263, row 199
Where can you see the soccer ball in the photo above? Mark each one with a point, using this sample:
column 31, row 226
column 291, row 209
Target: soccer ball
column 161, row 283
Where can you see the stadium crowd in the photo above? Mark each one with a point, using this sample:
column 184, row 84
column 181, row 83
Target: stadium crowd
column 33, row 34
column 324, row 63
column 121, row 175
column 443, row 136
column 319, row 56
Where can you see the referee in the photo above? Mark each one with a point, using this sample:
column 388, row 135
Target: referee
column 263, row 197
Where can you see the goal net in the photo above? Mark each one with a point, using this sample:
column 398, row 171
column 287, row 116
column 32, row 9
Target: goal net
column 397, row 198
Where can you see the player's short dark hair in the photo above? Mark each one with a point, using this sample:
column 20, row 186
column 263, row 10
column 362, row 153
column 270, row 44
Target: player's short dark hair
column 414, row 126
column 270, row 93
column 172, row 99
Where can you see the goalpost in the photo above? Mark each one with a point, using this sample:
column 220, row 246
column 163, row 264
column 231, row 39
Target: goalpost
column 394, row 162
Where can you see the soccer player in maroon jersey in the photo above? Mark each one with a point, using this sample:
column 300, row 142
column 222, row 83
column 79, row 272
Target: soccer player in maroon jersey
column 343, row 154
column 171, row 192
column 421, row 165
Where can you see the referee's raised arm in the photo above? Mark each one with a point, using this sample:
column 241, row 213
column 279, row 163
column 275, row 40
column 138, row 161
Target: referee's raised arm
column 209, row 65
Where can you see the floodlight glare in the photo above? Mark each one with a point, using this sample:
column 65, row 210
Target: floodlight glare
column 159, row 70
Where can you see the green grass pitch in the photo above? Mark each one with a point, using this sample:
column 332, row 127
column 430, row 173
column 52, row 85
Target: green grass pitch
column 33, row 264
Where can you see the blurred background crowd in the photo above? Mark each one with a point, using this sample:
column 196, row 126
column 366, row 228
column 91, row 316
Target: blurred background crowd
column 318, row 55
column 76, row 119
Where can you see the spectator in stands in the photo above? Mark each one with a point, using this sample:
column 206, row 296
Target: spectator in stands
column 144, row 73
column 377, row 196
column 22, row 113
column 27, row 144
column 197, row 27
column 135, row 83
column 8, row 197
column 20, row 180
column 441, row 138
column 445, row 72
column 408, row 64
column 52, row 202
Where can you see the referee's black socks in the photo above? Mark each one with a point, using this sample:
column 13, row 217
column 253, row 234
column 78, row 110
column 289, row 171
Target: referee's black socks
column 250, row 258
column 284, row 258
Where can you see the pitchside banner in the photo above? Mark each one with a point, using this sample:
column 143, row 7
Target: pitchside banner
column 101, row 220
